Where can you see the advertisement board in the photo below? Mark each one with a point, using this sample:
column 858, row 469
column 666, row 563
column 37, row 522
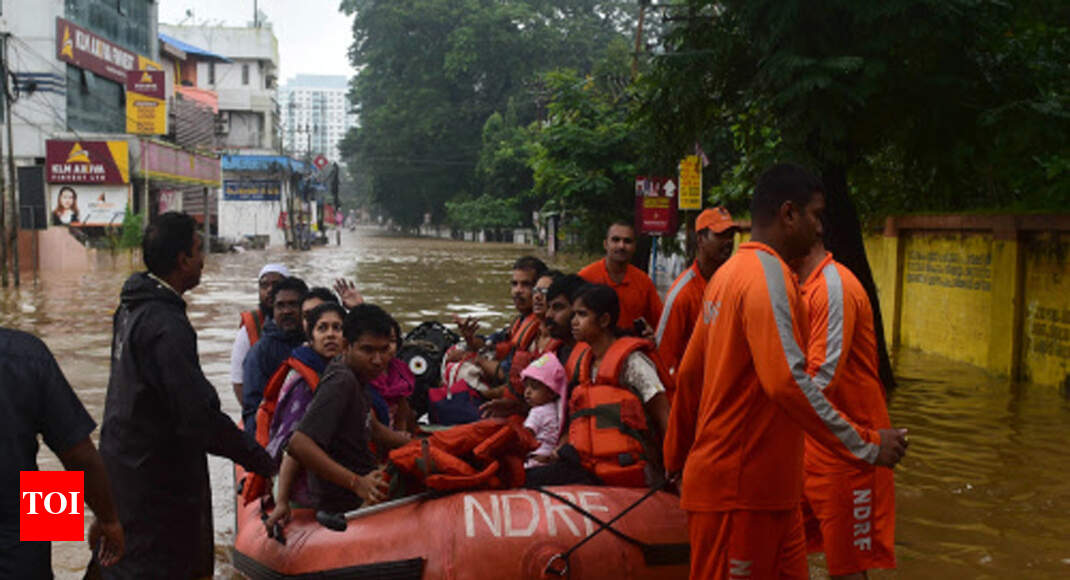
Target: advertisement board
column 98, row 162
column 146, row 105
column 655, row 205
column 86, row 50
column 87, row 205
column 251, row 190
column 690, row 183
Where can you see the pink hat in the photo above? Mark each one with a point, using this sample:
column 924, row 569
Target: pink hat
column 547, row 370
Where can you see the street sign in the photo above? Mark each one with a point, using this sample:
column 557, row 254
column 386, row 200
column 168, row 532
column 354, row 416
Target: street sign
column 655, row 211
column 690, row 183
column 320, row 162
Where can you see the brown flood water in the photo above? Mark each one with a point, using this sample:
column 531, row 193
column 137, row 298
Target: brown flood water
column 983, row 493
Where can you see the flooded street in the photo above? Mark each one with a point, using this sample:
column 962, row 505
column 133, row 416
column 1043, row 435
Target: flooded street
column 983, row 493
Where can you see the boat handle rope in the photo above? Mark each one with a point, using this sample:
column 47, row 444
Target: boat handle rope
column 551, row 565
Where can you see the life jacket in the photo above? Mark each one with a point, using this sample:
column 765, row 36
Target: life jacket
column 521, row 360
column 607, row 423
column 487, row 454
column 578, row 365
column 252, row 321
column 521, row 334
column 255, row 485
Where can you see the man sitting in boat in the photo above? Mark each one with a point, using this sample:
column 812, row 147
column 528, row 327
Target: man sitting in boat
column 519, row 335
column 283, row 333
column 252, row 323
column 332, row 441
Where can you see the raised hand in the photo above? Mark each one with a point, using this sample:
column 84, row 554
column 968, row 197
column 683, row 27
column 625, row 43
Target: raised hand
column 347, row 291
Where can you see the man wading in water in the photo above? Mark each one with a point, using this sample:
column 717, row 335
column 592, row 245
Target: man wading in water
column 162, row 415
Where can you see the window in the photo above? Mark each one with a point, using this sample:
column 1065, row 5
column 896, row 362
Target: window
column 244, row 74
column 211, row 73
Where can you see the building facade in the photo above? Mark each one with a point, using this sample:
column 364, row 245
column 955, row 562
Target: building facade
column 245, row 82
column 315, row 115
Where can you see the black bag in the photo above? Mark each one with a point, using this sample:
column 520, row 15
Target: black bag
column 423, row 349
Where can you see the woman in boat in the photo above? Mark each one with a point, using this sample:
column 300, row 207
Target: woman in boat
column 326, row 342
column 390, row 391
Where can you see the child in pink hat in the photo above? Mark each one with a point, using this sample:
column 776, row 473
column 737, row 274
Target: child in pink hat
column 544, row 391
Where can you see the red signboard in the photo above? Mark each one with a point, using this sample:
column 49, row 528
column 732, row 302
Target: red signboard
column 147, row 83
column 320, row 162
column 100, row 162
column 84, row 49
column 655, row 205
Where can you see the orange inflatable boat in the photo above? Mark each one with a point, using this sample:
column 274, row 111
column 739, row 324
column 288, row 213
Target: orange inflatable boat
column 516, row 533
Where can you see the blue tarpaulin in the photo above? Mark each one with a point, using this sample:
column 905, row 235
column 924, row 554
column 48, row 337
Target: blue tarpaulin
column 263, row 163
column 190, row 49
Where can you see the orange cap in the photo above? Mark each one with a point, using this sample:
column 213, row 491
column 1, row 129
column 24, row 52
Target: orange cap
column 717, row 219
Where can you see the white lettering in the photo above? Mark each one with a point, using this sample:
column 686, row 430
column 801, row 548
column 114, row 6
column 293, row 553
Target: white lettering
column 739, row 568
column 562, row 510
column 862, row 529
column 864, row 543
column 33, row 500
column 507, row 511
column 591, row 507
column 863, row 512
column 62, row 503
column 863, row 496
column 74, row 502
column 493, row 521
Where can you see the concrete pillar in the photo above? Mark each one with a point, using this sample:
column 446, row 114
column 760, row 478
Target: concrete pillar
column 1005, row 316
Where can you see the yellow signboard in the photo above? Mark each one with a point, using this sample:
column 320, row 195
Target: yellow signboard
column 690, row 196
column 146, row 108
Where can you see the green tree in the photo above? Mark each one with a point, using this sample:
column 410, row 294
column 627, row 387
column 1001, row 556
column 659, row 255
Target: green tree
column 433, row 71
column 940, row 99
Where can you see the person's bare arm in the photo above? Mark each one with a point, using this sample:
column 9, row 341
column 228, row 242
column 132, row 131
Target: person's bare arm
column 371, row 488
column 287, row 475
column 105, row 527
column 386, row 438
column 237, row 392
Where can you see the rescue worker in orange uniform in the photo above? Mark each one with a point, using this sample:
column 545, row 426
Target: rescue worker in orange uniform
column 635, row 290
column 743, row 399
column 853, row 501
column 714, row 235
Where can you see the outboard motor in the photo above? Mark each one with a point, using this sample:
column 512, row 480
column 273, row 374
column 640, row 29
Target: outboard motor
column 423, row 349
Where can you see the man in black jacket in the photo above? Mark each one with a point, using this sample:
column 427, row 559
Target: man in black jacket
column 162, row 415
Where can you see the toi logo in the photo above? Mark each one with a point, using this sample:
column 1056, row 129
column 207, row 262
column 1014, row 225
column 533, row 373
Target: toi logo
column 51, row 506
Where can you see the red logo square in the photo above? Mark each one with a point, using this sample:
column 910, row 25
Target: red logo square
column 51, row 506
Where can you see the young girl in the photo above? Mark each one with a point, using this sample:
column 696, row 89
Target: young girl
column 595, row 310
column 544, row 391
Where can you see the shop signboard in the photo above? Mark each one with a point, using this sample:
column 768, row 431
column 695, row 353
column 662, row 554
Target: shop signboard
column 251, row 190
column 88, row 205
column 86, row 50
column 655, row 205
column 96, row 162
column 146, row 104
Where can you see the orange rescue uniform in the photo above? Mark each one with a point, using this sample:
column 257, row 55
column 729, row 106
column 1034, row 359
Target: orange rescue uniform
column 743, row 400
column 636, row 292
column 682, row 305
column 853, row 501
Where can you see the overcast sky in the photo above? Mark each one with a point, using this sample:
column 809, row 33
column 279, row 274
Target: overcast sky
column 313, row 35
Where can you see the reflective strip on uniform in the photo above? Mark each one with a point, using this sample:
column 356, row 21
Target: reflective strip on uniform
column 834, row 336
column 774, row 279
column 663, row 322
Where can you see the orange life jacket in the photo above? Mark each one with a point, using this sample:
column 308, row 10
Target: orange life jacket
column 252, row 322
column 521, row 360
column 521, row 334
column 607, row 421
column 487, row 454
column 256, row 485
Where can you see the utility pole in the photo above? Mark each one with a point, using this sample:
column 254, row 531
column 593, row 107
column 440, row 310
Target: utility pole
column 3, row 196
column 638, row 39
column 15, row 214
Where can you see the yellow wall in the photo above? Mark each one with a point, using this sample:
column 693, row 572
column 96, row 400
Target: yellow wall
column 947, row 295
column 1046, row 313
